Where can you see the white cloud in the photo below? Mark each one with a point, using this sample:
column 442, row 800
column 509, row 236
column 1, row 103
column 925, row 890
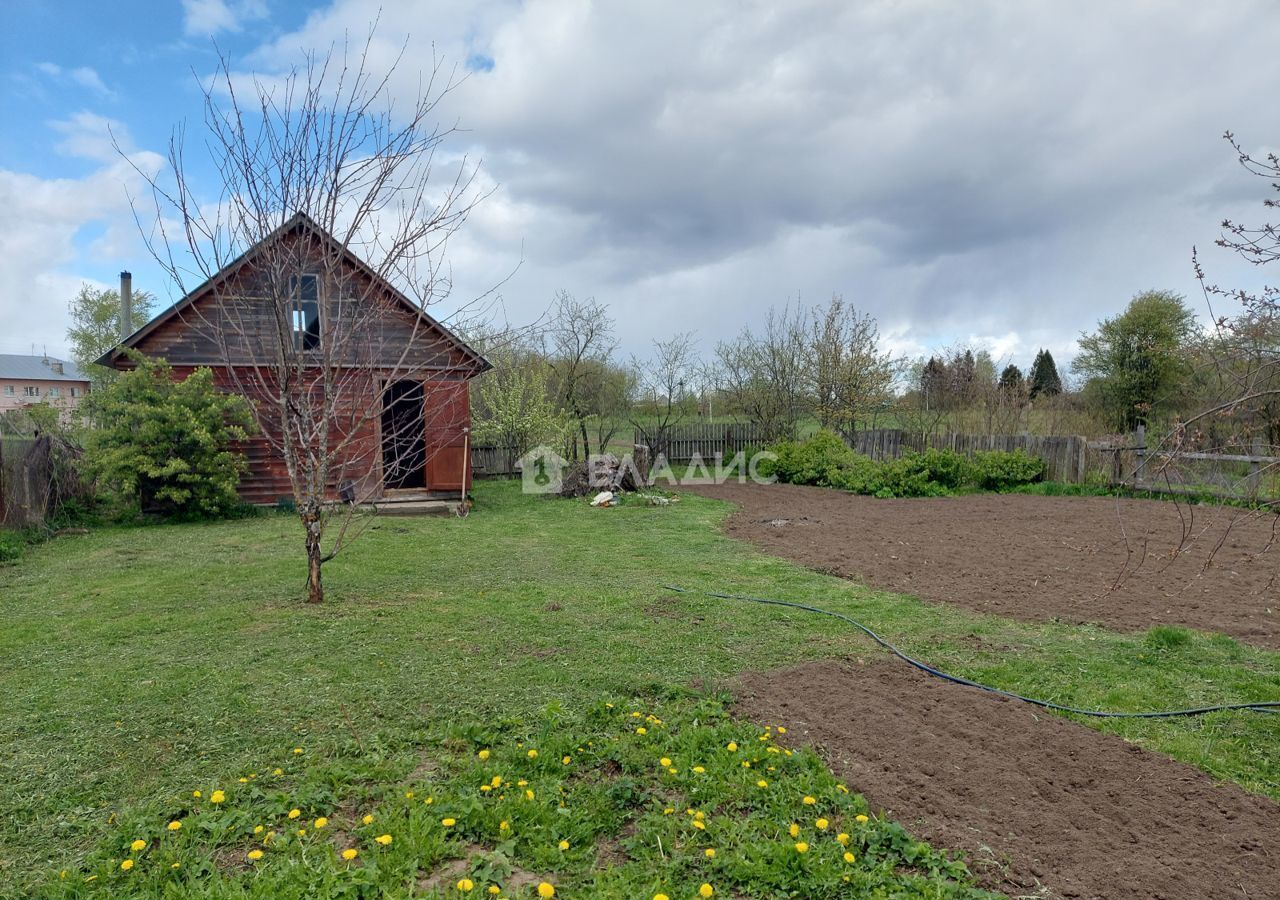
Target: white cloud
column 203, row 18
column 84, row 76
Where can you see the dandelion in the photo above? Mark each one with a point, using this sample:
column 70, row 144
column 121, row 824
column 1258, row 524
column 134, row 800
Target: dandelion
column 706, row 890
column 297, row 750
column 175, row 825
column 255, row 855
column 821, row 824
column 465, row 884
column 566, row 760
column 484, row 788
column 243, row 780
column 383, row 839
column 294, row 813
column 258, row 829
column 672, row 770
column 861, row 818
column 496, row 781
column 642, row 730
column 665, row 761
column 504, row 825
column 564, row 845
column 794, row 830
column 661, row 897
column 532, row 754
column 368, row 819
column 546, row 889
column 802, row 847
column 217, row 797
column 699, row 770
column 762, row 783
column 277, row 772
column 137, row 845
column 408, row 795
column 528, row 794
column 746, row 764
column 126, row 865
column 839, row 787
column 668, row 811
column 733, row 747
column 843, row 838
column 699, row 824
column 809, row 801
column 483, row 754
column 321, row 822
column 781, row 730
column 849, row 857
column 710, row 853
column 176, row 865
column 447, row 823
column 350, row 853
column 196, row 794
column 494, row 889
column 302, row 832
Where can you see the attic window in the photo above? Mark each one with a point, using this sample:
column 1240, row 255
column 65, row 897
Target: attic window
column 306, row 311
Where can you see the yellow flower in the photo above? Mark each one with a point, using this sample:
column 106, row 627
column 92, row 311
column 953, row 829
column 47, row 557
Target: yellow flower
column 781, row 730
column 839, row 787
column 699, row 815
column 494, row 889
column 843, row 838
column 762, row 783
column 533, row 754
column 546, row 889
column 794, row 830
column 137, row 845
column 661, row 897
column 504, row 825
column 528, row 795
column 448, row 823
column 297, row 750
column 665, row 761
column 849, row 857
column 699, row 824
column 668, row 811
column 710, row 853
column 126, row 865
column 642, row 730
column 566, row 760
column 408, row 795
column 294, row 813
column 809, row 801
column 368, row 819
column 635, row 715
column 196, row 794
column 802, row 847
column 255, row 854
column 243, row 780
column 672, row 770
column 277, row 772
column 257, row 829
column 175, row 825
column 521, row 783
column 350, row 853
column 217, row 797
column 699, row 769
column 383, row 839
column 321, row 822
column 564, row 845
column 706, row 890
column 176, row 865
column 483, row 754
column 860, row 818
column 821, row 824
column 733, row 747
column 301, row 832
column 746, row 764
column 484, row 788
column 496, row 781
column 465, row 884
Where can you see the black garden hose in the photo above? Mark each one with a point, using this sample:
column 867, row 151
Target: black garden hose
column 1261, row 706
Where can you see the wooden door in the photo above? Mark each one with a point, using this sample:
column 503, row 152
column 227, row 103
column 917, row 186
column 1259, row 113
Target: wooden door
column 448, row 425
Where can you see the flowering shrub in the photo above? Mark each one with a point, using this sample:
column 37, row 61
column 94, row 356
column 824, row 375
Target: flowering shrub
column 629, row 799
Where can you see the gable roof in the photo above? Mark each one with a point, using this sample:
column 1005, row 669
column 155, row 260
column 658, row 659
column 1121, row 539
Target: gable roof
column 37, row 368
column 301, row 221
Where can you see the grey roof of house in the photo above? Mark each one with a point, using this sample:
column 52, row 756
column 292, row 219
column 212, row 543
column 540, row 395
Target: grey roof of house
column 37, row 368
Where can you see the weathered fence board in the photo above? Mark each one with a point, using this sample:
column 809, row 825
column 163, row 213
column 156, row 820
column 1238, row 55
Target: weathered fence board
column 684, row 442
column 23, row 485
column 1064, row 455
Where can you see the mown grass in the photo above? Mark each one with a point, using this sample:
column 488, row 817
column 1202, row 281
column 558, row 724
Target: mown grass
column 136, row 662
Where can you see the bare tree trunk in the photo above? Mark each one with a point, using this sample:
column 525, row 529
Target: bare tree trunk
column 315, row 556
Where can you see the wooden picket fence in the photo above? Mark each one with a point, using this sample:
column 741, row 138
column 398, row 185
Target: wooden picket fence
column 1066, row 456
column 684, row 442
column 1251, row 474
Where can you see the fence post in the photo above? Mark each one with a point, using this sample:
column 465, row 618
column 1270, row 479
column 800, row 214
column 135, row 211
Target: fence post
column 1254, row 484
column 1140, row 453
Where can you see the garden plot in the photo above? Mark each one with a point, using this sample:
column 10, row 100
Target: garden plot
column 1124, row 564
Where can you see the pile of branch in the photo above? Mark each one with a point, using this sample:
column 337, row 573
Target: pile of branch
column 600, row 473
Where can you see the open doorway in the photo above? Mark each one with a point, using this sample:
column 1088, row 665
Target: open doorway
column 404, row 439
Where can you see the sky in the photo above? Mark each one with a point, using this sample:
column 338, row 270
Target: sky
column 997, row 174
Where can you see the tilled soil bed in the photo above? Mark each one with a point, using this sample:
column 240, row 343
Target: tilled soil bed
column 1126, row 564
column 1042, row 806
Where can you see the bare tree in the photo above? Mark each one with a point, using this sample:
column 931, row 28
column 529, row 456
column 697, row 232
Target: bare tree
column 580, row 338
column 766, row 379
column 852, row 377
column 664, row 383
column 328, row 194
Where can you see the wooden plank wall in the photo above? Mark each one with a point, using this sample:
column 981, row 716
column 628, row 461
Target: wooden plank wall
column 707, row 440
column 1065, row 456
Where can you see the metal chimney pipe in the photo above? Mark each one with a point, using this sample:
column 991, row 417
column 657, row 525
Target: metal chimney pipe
column 126, row 305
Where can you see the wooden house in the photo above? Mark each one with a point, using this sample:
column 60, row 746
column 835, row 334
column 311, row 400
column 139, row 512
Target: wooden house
column 394, row 381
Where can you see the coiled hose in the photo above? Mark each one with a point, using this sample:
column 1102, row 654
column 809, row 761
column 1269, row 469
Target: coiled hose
column 1261, row 706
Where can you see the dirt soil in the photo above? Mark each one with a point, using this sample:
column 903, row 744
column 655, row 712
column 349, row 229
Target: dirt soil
column 1043, row 807
column 1125, row 564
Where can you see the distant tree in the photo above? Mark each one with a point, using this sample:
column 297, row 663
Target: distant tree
column 516, row 409
column 853, row 378
column 1137, row 361
column 1044, row 377
column 664, row 382
column 933, row 383
column 95, row 326
column 580, row 339
column 161, row 444
column 1011, row 378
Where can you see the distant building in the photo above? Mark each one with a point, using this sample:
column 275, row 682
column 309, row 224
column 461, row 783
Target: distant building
column 28, row 380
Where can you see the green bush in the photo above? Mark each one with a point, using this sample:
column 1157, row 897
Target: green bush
column 819, row 460
column 162, row 445
column 12, row 545
column 998, row 470
column 907, row 477
column 945, row 467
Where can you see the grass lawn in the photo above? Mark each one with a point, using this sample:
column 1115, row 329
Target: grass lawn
column 137, row 664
